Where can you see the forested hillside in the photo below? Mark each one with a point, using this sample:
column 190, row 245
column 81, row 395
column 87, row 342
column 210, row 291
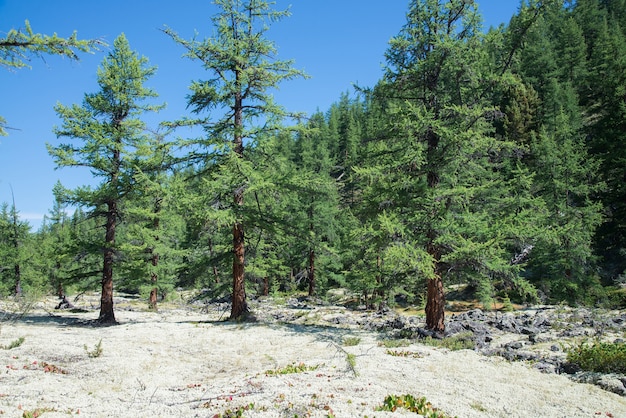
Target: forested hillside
column 489, row 158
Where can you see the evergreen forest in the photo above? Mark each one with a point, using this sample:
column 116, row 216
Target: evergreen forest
column 492, row 161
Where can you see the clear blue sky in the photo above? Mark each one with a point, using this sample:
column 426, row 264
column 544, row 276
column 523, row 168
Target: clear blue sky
column 337, row 42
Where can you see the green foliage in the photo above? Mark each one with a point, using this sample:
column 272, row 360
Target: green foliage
column 403, row 353
column 602, row 357
column 351, row 341
column 461, row 341
column 488, row 159
column 19, row 46
column 38, row 412
column 96, row 351
column 236, row 412
column 409, row 402
column 113, row 143
column 243, row 69
column 14, row 344
column 291, row 368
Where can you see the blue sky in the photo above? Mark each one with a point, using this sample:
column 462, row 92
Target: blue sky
column 337, row 42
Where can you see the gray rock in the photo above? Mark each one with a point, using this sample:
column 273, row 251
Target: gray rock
column 514, row 345
column 612, row 383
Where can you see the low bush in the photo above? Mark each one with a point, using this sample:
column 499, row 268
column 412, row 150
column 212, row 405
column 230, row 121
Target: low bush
column 461, row 341
column 411, row 403
column 291, row 368
column 603, row 357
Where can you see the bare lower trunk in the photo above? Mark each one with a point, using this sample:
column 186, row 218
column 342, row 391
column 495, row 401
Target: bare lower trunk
column 266, row 286
column 106, row 299
column 435, row 305
column 239, row 307
column 152, row 302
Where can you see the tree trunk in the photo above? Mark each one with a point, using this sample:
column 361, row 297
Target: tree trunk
column 266, row 286
column 435, row 305
column 239, row 307
column 106, row 299
column 435, row 297
column 153, row 299
column 311, row 272
column 18, row 280
column 152, row 303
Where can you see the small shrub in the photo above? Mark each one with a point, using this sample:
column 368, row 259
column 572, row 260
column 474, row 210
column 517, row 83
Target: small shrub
column 351, row 360
column 235, row 413
column 507, row 305
column 461, row 341
column 403, row 353
column 409, row 402
column 602, row 357
column 351, row 341
column 14, row 344
column 96, row 352
column 37, row 412
column 292, row 368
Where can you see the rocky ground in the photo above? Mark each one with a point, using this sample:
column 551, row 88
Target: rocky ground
column 301, row 358
column 537, row 335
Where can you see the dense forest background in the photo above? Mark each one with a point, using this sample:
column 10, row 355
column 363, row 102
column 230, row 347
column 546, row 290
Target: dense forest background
column 495, row 160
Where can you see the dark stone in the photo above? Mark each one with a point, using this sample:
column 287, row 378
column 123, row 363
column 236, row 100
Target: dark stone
column 530, row 330
column 514, row 345
column 570, row 368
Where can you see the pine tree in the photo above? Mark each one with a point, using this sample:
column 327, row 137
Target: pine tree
column 111, row 133
column 242, row 67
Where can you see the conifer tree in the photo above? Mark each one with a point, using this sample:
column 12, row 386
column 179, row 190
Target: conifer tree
column 242, row 67
column 109, row 131
column 441, row 177
column 552, row 63
column 13, row 234
column 602, row 96
column 21, row 45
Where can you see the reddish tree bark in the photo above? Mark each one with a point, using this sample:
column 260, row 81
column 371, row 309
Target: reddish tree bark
column 239, row 306
column 106, row 299
column 435, row 296
column 435, row 305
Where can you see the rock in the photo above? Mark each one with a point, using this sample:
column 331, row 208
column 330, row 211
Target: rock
column 545, row 367
column 530, row 330
column 612, row 383
column 569, row 368
column 514, row 345
column 508, row 323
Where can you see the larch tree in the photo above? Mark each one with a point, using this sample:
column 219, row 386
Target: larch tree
column 440, row 176
column 243, row 68
column 109, row 135
column 21, row 45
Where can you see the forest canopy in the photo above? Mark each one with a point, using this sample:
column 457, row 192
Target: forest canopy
column 494, row 160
